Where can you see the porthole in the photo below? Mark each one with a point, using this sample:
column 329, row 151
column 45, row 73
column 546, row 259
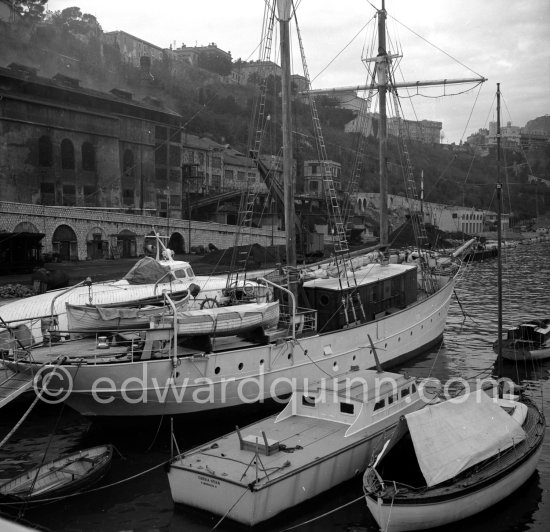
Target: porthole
column 324, row 300
column 241, row 366
column 411, row 333
column 289, row 356
column 335, row 366
column 262, row 362
column 217, row 370
column 353, row 357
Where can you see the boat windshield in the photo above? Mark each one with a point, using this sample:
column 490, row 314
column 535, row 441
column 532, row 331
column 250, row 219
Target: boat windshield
column 183, row 273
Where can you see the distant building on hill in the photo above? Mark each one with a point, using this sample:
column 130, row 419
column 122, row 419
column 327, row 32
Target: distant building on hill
column 133, row 49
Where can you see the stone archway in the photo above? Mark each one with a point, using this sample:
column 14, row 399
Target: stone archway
column 25, row 227
column 176, row 243
column 65, row 243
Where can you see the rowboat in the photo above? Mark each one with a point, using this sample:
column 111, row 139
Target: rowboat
column 325, row 435
column 122, row 315
column 222, row 321
column 67, row 474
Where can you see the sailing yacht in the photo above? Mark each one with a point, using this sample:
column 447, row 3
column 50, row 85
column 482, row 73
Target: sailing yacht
column 325, row 326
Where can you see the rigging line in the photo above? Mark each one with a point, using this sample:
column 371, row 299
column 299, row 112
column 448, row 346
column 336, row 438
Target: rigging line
column 245, row 491
column 342, row 50
column 349, row 503
column 436, row 47
column 471, row 111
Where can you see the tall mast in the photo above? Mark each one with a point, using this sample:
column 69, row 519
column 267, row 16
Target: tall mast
column 284, row 9
column 382, row 70
column 499, row 239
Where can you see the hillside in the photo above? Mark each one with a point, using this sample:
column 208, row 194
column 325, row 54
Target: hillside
column 71, row 43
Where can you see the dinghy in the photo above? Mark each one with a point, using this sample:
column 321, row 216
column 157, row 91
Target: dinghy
column 67, row 474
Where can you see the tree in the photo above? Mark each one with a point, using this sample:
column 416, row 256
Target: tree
column 72, row 20
column 30, row 10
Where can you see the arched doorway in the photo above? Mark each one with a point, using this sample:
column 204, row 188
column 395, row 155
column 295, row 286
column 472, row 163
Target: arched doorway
column 97, row 245
column 64, row 243
column 176, row 243
column 126, row 243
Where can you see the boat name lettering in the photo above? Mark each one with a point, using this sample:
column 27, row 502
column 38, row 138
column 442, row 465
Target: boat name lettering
column 209, row 481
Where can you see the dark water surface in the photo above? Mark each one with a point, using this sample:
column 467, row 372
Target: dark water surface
column 144, row 503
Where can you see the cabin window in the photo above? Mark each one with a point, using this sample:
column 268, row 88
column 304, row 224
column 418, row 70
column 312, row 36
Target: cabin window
column 189, row 272
column 413, row 388
column 180, row 274
column 379, row 404
column 308, row 401
column 390, row 399
column 404, row 392
column 347, row 408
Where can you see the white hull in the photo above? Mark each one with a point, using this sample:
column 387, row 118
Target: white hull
column 402, row 517
column 253, row 373
column 217, row 496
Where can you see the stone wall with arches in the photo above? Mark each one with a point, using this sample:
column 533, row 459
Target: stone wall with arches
column 80, row 234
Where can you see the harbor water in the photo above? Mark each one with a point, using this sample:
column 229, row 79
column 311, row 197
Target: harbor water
column 129, row 499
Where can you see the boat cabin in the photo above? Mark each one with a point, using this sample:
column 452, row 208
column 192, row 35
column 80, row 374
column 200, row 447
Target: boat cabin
column 377, row 291
column 535, row 331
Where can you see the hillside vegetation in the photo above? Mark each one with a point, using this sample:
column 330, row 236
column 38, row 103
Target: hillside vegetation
column 71, row 43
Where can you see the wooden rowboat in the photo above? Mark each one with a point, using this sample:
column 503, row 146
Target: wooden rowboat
column 126, row 315
column 223, row 321
column 68, row 474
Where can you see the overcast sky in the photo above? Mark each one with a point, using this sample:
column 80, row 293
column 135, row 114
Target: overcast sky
column 506, row 41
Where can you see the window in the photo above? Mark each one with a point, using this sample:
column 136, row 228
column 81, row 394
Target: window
column 379, row 404
column 241, row 176
column 346, row 408
column 314, row 186
column 47, row 193
column 404, row 392
column 88, row 157
column 128, row 167
column 216, row 162
column 128, row 196
column 175, row 155
column 69, row 195
column 45, row 152
column 67, row 155
column 229, row 174
column 90, row 195
column 308, row 401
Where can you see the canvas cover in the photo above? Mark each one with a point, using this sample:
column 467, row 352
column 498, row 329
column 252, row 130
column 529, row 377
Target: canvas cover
column 452, row 436
column 146, row 271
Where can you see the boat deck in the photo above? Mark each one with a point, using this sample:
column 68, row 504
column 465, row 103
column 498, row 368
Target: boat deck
column 299, row 440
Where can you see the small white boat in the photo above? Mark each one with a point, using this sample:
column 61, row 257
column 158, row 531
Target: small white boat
column 453, row 460
column 67, row 474
column 126, row 315
column 222, row 321
column 529, row 340
column 324, row 436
